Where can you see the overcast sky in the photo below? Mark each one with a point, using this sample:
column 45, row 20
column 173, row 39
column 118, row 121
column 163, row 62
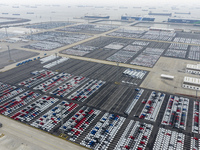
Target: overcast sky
column 101, row 2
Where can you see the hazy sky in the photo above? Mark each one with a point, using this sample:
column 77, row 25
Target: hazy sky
column 101, row 2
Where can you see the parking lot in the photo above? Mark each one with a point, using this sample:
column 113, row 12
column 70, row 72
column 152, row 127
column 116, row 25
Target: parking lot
column 167, row 139
column 101, row 48
column 111, row 112
column 79, row 50
column 122, row 50
column 101, row 106
column 127, row 33
column 89, row 28
column 150, row 35
column 159, row 35
column 49, row 25
column 148, row 57
column 51, row 40
column 15, row 55
column 194, row 53
column 187, row 38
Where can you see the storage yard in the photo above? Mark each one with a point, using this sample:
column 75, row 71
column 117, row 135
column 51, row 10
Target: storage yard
column 125, row 105
column 49, row 25
column 88, row 28
column 52, row 40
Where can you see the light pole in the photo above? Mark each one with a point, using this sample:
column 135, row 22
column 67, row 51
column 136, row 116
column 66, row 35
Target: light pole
column 56, row 59
column 117, row 82
column 9, row 52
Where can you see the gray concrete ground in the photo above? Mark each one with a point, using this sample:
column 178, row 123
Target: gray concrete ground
column 169, row 66
column 14, row 55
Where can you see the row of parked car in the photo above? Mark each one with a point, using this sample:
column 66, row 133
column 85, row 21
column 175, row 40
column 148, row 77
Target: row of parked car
column 79, row 122
column 134, row 73
column 79, row 50
column 54, row 116
column 52, row 40
column 34, row 109
column 178, row 46
column 68, row 86
column 75, row 52
column 167, row 139
column 195, row 41
column 48, row 25
column 141, row 43
column 130, row 31
column 133, row 48
column 145, row 59
column 26, row 61
column 4, row 86
column 70, row 38
column 9, row 93
column 192, row 71
column 121, row 56
column 135, row 136
column 54, row 63
column 17, row 102
column 103, row 132
column 176, row 112
column 152, row 106
column 195, row 143
column 44, row 45
column 53, row 82
column 157, row 37
column 6, row 91
column 88, row 27
column 195, row 120
column 153, row 51
column 124, row 34
column 134, row 101
column 176, row 53
column 86, row 90
column 84, row 47
column 194, row 53
column 127, row 33
column 38, row 78
column 48, row 58
column 114, row 45
column 183, row 40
